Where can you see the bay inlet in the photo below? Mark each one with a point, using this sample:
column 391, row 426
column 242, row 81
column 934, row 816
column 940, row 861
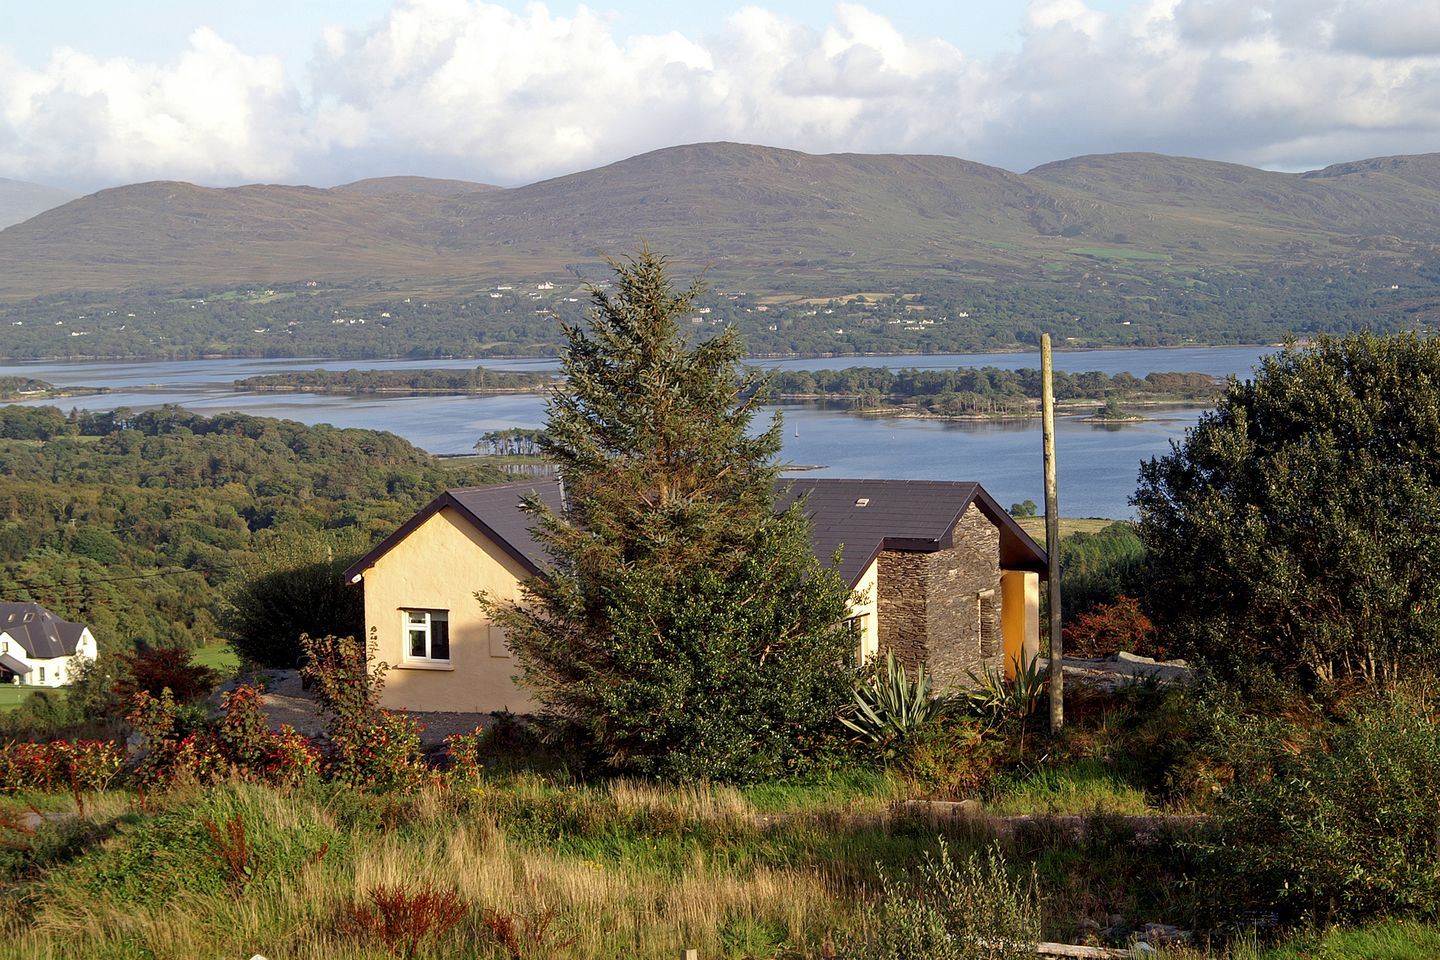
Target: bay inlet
column 1098, row 463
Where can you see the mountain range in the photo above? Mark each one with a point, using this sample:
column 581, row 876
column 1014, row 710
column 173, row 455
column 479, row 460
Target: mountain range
column 757, row 218
column 19, row 201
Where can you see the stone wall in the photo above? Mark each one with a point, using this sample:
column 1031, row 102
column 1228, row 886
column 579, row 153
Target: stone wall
column 929, row 603
column 903, row 584
column 958, row 577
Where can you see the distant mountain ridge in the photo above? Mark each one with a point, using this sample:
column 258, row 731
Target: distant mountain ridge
column 20, row 201
column 424, row 185
column 763, row 217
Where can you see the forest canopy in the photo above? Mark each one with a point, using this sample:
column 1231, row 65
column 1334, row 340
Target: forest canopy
column 138, row 523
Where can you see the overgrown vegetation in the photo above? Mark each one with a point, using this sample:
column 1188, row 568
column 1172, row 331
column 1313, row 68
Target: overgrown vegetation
column 1229, row 813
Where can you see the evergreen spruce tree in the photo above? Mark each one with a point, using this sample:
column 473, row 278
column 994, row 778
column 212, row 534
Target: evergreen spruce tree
column 686, row 628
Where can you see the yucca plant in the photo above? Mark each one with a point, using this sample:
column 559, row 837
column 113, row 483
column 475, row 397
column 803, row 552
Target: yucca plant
column 993, row 697
column 890, row 706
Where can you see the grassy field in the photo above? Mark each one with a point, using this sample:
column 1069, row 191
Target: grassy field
column 1113, row 253
column 11, row 695
column 218, row 656
column 1035, row 526
column 610, row 870
column 545, row 866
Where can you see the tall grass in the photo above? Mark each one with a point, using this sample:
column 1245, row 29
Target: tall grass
column 154, row 884
column 1079, row 788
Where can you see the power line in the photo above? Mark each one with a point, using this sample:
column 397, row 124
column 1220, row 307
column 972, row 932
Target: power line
column 89, row 580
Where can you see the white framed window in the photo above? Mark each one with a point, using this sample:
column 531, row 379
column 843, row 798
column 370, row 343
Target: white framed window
column 859, row 626
column 42, row 674
column 427, row 635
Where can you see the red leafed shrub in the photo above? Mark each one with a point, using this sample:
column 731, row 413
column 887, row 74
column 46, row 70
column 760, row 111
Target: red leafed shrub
column 166, row 668
column 370, row 746
column 26, row 766
column 525, row 935
column 79, row 765
column 402, row 918
column 171, row 753
column 292, row 759
column 463, row 751
column 1110, row 628
column 240, row 743
column 252, row 749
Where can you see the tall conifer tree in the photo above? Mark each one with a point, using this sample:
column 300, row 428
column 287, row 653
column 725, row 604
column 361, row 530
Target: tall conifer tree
column 685, row 626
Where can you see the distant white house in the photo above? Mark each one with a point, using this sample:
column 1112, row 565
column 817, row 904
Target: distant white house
column 38, row 649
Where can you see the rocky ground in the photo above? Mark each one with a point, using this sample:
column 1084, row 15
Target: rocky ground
column 286, row 701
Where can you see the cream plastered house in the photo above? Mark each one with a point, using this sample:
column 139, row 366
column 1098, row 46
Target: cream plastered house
column 37, row 648
column 942, row 576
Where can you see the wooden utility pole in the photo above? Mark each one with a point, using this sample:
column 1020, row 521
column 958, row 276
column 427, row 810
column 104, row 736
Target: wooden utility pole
column 1052, row 543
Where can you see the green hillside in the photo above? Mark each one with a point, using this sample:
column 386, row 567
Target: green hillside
column 1124, row 249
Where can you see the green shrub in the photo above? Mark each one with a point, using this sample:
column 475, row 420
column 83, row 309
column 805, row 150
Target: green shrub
column 1098, row 567
column 948, row 910
column 1342, row 828
column 1293, row 526
column 292, row 585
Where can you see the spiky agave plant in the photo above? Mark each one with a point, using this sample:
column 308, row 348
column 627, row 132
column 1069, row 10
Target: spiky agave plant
column 888, row 705
column 993, row 697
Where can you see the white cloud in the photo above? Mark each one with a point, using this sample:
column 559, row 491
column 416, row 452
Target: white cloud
column 469, row 88
column 213, row 113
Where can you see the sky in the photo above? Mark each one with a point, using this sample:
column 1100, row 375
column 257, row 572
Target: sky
column 95, row 93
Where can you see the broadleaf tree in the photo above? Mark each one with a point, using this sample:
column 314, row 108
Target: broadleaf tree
column 1295, row 531
column 685, row 627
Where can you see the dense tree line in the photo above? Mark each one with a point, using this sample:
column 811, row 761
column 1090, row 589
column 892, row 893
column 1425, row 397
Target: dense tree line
column 478, row 380
column 138, row 523
column 515, row 442
column 984, row 389
column 936, row 312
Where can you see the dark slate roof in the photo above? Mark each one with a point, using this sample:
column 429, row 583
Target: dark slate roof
column 917, row 515
column 13, row 665
column 40, row 632
column 495, row 511
column 914, row 515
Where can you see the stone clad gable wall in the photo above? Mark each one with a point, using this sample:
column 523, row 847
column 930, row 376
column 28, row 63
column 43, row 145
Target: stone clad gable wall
column 958, row 576
column 929, row 602
column 903, row 583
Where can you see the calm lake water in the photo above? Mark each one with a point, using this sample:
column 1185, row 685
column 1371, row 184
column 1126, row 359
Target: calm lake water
column 1096, row 464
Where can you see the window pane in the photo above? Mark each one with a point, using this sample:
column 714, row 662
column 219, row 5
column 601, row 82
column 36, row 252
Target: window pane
column 415, row 616
column 417, row 643
column 439, row 638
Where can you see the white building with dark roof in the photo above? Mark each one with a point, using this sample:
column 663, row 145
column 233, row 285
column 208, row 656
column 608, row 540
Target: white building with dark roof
column 38, row 649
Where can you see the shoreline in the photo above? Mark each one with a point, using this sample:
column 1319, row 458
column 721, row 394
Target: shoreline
column 1018, row 348
column 1071, row 408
